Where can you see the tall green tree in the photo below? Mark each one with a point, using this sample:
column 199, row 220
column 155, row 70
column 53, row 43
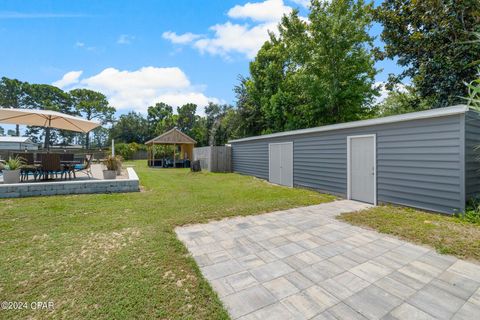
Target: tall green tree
column 160, row 118
column 199, row 131
column 92, row 105
column 100, row 137
column 219, row 123
column 2, row 131
column 339, row 60
column 12, row 95
column 186, row 117
column 312, row 73
column 231, row 126
column 401, row 101
column 432, row 40
column 47, row 97
column 250, row 114
column 131, row 127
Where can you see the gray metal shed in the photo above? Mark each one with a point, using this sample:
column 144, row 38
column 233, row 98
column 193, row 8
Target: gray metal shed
column 423, row 159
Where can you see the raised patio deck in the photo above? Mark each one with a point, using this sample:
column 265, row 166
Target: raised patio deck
column 127, row 182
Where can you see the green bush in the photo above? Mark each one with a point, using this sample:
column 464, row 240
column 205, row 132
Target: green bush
column 472, row 212
column 127, row 150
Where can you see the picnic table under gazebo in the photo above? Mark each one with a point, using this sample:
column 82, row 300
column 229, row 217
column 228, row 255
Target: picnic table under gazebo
column 182, row 153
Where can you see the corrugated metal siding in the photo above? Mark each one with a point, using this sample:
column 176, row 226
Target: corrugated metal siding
column 418, row 161
column 418, row 164
column 320, row 162
column 251, row 158
column 472, row 165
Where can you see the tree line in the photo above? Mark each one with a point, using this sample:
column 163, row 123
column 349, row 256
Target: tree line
column 219, row 124
column 314, row 71
column 85, row 103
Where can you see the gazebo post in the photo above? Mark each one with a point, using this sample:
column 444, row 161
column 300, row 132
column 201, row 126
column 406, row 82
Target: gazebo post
column 174, row 150
column 152, row 152
column 149, row 156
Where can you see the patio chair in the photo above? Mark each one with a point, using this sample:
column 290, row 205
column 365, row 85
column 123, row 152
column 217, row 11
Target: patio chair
column 51, row 165
column 67, row 160
column 85, row 167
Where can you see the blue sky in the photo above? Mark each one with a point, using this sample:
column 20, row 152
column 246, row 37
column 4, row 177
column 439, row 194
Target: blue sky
column 137, row 52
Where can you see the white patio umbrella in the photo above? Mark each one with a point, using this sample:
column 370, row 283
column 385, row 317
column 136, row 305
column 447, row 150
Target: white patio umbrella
column 46, row 118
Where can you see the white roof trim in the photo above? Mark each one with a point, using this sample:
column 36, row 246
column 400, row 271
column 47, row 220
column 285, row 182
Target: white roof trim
column 433, row 113
column 15, row 139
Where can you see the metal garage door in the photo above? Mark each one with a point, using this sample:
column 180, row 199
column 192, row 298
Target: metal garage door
column 362, row 169
column 281, row 163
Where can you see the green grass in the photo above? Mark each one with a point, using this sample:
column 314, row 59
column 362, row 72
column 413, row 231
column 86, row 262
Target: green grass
column 116, row 256
column 447, row 234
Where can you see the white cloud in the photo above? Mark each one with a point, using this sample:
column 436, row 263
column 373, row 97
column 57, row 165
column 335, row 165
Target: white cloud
column 269, row 10
column 138, row 89
column 79, row 44
column 68, row 79
column 179, row 99
column 125, row 39
column 241, row 38
column 231, row 38
column 180, row 38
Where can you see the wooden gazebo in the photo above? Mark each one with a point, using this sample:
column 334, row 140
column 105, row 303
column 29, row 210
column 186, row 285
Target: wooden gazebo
column 175, row 138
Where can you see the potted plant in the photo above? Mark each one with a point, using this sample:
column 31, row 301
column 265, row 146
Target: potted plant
column 111, row 163
column 11, row 170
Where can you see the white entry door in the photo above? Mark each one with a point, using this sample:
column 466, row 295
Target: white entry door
column 362, row 168
column 281, row 163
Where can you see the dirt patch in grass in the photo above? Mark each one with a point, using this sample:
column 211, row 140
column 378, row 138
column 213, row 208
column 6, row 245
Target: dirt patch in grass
column 96, row 247
column 448, row 235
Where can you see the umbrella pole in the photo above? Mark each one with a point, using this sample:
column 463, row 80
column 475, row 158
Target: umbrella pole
column 47, row 134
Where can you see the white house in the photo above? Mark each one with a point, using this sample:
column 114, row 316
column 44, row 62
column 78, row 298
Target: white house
column 17, row 143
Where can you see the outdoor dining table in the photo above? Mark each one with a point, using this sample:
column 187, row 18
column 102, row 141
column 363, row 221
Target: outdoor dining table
column 66, row 164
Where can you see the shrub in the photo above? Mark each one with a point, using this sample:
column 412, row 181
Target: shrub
column 472, row 212
column 127, row 150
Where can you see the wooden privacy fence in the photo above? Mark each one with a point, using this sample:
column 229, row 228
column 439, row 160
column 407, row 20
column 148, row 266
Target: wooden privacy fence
column 214, row 158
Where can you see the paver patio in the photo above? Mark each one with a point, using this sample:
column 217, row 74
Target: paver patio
column 304, row 264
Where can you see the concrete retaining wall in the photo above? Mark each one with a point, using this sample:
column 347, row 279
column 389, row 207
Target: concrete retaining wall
column 71, row 187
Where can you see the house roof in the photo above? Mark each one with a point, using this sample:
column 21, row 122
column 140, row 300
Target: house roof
column 15, row 139
column 433, row 113
column 173, row 136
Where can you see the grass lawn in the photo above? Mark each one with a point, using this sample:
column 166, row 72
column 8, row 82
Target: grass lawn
column 448, row 235
column 116, row 256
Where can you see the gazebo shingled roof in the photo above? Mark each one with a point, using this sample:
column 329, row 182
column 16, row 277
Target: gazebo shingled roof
column 172, row 136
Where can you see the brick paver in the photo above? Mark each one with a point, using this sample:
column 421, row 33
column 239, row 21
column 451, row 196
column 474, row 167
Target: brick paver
column 304, row 264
